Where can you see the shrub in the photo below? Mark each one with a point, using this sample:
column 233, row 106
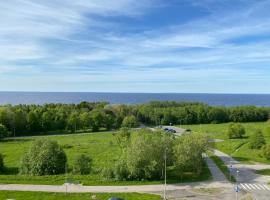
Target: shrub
column 266, row 151
column 236, row 130
column 45, row 157
column 130, row 122
column 257, row 140
column 107, row 173
column 3, row 131
column 1, row 163
column 121, row 172
column 82, row 165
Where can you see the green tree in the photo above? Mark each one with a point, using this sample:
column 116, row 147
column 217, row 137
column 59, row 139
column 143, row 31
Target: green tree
column 46, row 121
column 145, row 155
column 188, row 151
column 235, row 130
column 109, row 120
column 130, row 122
column 96, row 119
column 45, row 157
column 82, row 165
column 256, row 140
column 33, row 121
column 3, row 131
column 85, row 120
column 73, row 122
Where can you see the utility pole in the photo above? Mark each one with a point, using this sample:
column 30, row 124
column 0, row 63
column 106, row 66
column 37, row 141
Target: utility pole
column 66, row 170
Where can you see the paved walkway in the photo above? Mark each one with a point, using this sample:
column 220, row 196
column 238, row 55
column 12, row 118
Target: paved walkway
column 247, row 179
column 246, row 171
column 111, row 189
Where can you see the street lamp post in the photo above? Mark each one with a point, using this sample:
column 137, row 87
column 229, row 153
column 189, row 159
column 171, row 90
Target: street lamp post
column 237, row 187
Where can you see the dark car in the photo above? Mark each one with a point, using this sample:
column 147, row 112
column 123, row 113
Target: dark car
column 115, row 198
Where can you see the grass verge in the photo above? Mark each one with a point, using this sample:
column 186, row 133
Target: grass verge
column 16, row 195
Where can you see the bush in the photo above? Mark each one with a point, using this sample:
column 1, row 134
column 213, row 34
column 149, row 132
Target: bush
column 266, row 151
column 107, row 173
column 235, row 131
column 3, row 131
column 121, row 172
column 2, row 167
column 45, row 157
column 130, row 122
column 82, row 165
column 257, row 140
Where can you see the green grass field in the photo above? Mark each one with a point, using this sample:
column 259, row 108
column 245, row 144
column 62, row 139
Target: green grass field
column 83, row 196
column 101, row 147
column 238, row 148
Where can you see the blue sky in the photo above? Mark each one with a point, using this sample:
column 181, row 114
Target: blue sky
column 189, row 46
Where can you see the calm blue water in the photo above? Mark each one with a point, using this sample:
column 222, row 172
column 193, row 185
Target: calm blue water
column 131, row 98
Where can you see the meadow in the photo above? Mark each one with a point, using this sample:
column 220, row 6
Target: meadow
column 81, row 196
column 237, row 148
column 101, row 147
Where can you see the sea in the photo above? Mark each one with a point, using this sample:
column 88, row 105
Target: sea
column 15, row 98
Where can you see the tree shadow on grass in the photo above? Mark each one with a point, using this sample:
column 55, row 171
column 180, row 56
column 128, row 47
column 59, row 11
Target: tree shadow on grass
column 16, row 140
column 11, row 171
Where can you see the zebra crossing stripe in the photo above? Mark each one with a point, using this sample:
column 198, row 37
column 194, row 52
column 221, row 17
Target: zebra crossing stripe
column 242, row 185
column 252, row 186
column 261, row 186
column 247, row 186
column 265, row 186
column 257, row 187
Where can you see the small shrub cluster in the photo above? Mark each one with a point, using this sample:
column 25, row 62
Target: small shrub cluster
column 236, row 131
column 82, row 165
column 45, row 157
column 257, row 140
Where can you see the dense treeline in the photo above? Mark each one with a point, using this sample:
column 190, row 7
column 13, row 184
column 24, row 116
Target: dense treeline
column 198, row 113
column 29, row 119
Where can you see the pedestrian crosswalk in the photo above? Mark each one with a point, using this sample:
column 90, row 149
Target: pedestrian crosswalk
column 253, row 186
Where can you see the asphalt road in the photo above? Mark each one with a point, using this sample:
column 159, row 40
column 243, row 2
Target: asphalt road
column 247, row 179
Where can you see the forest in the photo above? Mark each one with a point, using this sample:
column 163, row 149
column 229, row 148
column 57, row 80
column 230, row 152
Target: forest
column 94, row 116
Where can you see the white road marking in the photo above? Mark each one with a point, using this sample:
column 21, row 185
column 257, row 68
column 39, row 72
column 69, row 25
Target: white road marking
column 261, row 186
column 252, row 186
column 247, row 186
column 265, row 186
column 242, row 185
column 257, row 187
